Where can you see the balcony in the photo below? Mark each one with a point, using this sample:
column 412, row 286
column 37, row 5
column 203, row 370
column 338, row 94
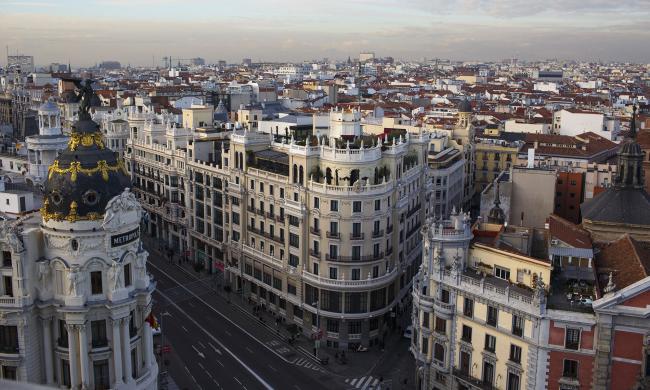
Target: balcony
column 314, row 231
column 356, row 259
column 389, row 229
column 334, row 235
column 315, row 254
column 100, row 343
column 9, row 349
column 260, row 212
column 279, row 218
column 377, row 234
column 465, row 377
column 270, row 215
column 356, row 236
column 344, row 283
column 444, row 308
column 250, row 209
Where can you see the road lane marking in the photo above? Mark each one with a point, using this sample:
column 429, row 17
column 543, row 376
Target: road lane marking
column 235, row 378
column 215, row 348
column 201, row 344
column 307, row 353
column 190, row 303
column 185, row 329
column 198, row 352
column 221, row 364
column 201, row 365
column 265, row 384
column 249, row 350
column 272, row 368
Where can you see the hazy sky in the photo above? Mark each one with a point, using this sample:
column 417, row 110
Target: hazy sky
column 137, row 31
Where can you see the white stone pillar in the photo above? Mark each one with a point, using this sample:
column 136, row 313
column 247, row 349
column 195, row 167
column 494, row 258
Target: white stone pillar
column 148, row 345
column 126, row 348
column 47, row 348
column 117, row 352
column 73, row 353
column 84, row 359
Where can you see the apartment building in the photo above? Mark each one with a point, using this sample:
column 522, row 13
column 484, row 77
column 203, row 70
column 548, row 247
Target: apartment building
column 325, row 230
column 496, row 151
column 447, row 175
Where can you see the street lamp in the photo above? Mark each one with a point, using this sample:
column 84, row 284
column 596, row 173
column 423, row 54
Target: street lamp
column 162, row 341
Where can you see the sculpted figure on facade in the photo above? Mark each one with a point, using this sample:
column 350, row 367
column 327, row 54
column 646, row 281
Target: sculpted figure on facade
column 10, row 231
column 74, row 278
column 115, row 208
column 115, row 275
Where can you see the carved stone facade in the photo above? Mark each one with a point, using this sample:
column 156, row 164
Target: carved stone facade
column 80, row 301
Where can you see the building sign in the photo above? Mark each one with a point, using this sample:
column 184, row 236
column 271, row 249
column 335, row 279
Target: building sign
column 125, row 238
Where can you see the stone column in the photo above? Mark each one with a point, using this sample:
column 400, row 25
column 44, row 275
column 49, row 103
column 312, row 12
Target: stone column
column 73, row 351
column 117, row 352
column 126, row 348
column 83, row 357
column 47, row 348
column 148, row 349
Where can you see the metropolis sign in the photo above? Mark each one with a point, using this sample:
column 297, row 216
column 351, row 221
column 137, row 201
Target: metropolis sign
column 125, row 238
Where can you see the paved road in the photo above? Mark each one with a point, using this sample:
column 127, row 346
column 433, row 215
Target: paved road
column 210, row 350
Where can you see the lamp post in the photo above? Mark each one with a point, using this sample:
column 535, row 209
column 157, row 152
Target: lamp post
column 162, row 342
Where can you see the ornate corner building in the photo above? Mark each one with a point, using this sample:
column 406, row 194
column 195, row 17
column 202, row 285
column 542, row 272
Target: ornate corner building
column 75, row 297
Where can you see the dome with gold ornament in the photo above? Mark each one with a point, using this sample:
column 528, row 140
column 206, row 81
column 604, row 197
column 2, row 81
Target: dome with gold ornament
column 86, row 175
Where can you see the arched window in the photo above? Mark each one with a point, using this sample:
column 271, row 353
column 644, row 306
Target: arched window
column 354, row 176
column 295, row 173
column 439, row 352
column 302, row 176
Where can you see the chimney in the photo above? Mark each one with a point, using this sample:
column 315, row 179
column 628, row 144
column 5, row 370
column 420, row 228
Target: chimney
column 531, row 158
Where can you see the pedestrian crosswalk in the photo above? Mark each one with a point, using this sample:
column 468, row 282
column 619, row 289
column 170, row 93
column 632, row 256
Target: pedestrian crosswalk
column 302, row 362
column 364, row 383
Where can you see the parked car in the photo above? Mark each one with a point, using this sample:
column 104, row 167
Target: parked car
column 408, row 333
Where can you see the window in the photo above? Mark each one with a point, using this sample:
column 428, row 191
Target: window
column 468, row 307
column 277, row 283
column 291, row 289
column 96, row 282
column 294, row 221
column 356, row 252
column 572, row 340
column 9, row 373
column 127, row 275
column 467, row 334
column 502, row 273
column 333, row 273
column 271, row 189
column 332, row 325
column 488, row 373
column 354, row 327
column 356, row 274
column 356, row 206
column 98, row 330
column 356, row 229
column 316, row 203
column 490, row 343
column 647, row 363
column 261, row 187
column 439, row 352
column 465, row 362
column 294, row 240
column 315, row 267
column 425, row 319
column 102, row 379
column 513, row 381
column 9, row 339
column 520, row 276
column 441, row 325
column 515, row 353
column 425, row 345
column 334, row 205
column 517, row 325
column 334, row 228
column 492, row 316
column 570, row 369
column 444, row 296
column 65, row 373
column 282, row 193
column 334, row 252
column 293, row 260
column 316, row 247
column 377, row 204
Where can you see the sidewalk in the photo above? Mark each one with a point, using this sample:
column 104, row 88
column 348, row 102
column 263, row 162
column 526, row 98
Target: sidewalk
column 357, row 363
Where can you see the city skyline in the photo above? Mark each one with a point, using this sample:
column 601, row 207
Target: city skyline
column 141, row 32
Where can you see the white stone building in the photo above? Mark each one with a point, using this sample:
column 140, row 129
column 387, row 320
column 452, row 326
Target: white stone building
column 43, row 148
